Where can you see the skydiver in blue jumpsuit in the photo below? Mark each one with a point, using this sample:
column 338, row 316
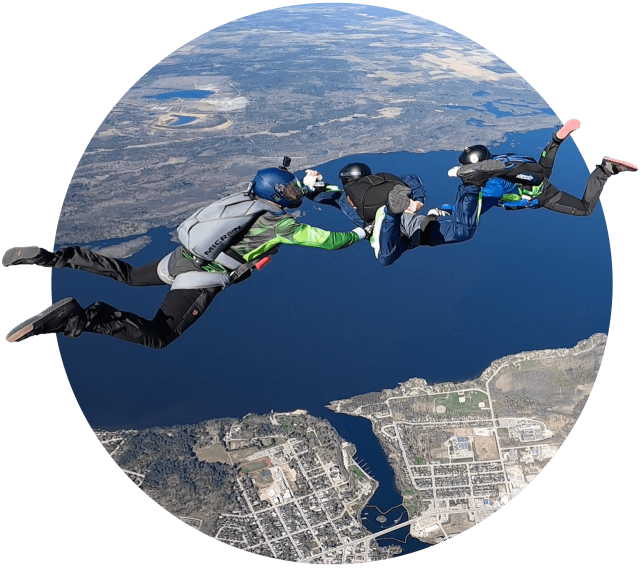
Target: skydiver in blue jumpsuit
column 398, row 226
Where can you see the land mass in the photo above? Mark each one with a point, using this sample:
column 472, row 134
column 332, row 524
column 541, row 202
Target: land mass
column 312, row 82
column 286, row 485
column 461, row 451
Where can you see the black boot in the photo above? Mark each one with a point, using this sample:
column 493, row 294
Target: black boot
column 63, row 316
column 28, row 256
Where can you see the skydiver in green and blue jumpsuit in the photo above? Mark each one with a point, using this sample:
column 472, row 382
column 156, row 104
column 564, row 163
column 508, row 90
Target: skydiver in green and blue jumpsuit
column 521, row 182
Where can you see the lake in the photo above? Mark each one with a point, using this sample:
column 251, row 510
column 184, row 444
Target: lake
column 189, row 94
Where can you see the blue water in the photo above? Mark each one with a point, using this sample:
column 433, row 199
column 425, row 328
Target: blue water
column 491, row 108
column 543, row 110
column 460, row 107
column 190, row 94
column 315, row 326
column 371, row 458
column 182, row 120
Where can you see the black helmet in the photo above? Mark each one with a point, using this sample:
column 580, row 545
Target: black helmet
column 352, row 172
column 474, row 154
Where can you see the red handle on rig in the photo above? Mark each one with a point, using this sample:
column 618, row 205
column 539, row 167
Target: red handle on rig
column 262, row 262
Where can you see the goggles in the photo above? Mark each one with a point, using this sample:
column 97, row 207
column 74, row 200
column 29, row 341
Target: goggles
column 292, row 191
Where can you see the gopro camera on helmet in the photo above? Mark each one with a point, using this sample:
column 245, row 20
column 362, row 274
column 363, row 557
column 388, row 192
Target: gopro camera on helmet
column 286, row 161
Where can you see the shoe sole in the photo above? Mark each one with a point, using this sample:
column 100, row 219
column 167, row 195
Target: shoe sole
column 22, row 331
column 626, row 165
column 399, row 199
column 17, row 253
column 567, row 129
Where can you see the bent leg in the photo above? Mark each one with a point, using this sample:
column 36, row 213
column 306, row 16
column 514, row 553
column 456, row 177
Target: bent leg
column 561, row 202
column 548, row 156
column 86, row 260
column 411, row 227
column 180, row 309
column 392, row 242
column 461, row 225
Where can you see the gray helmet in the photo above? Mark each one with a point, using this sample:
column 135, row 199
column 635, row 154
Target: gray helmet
column 474, row 154
column 352, row 172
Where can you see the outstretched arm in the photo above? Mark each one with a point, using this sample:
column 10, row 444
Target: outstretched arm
column 288, row 231
column 480, row 173
column 309, row 236
column 320, row 192
column 326, row 194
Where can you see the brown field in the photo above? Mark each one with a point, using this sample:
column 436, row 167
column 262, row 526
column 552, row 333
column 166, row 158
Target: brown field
column 457, row 523
column 240, row 455
column 215, row 453
column 486, row 448
column 464, row 432
column 558, row 422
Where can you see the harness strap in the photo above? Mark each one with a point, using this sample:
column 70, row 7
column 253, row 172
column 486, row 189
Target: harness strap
column 230, row 259
column 240, row 266
column 247, row 267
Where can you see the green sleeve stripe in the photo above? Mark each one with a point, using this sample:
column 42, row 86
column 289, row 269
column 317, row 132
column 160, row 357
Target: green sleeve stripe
column 309, row 236
column 251, row 255
column 511, row 198
column 290, row 232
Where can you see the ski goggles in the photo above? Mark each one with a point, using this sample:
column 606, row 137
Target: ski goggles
column 291, row 191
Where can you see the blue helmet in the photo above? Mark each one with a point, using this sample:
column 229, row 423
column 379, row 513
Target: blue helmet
column 279, row 186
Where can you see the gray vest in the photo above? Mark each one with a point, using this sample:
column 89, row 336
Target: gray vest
column 206, row 234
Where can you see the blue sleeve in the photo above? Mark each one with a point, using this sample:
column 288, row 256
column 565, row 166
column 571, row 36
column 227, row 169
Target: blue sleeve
column 522, row 204
column 337, row 199
column 497, row 187
column 325, row 198
column 349, row 210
